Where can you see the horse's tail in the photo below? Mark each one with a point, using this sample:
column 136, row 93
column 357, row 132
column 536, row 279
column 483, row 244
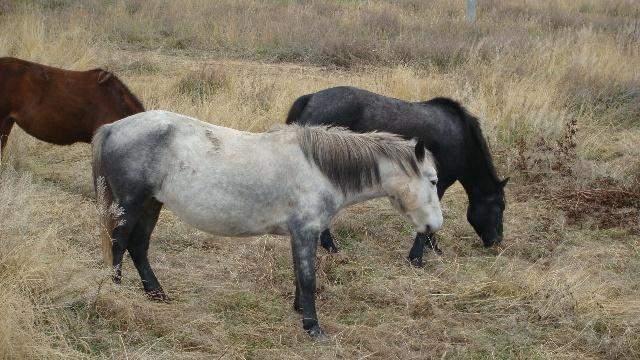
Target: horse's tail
column 297, row 108
column 104, row 196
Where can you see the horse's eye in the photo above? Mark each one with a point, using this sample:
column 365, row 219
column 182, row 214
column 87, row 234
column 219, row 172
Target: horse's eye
column 434, row 182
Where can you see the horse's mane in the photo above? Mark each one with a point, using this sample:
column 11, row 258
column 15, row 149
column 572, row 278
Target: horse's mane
column 473, row 125
column 350, row 160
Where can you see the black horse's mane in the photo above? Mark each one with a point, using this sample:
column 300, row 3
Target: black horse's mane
column 473, row 123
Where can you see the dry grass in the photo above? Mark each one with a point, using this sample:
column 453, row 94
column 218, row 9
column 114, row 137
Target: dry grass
column 555, row 83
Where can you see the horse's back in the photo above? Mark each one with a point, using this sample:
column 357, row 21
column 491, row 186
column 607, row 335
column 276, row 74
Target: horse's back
column 174, row 139
column 363, row 111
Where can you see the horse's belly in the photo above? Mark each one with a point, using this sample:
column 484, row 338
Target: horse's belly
column 231, row 221
column 51, row 131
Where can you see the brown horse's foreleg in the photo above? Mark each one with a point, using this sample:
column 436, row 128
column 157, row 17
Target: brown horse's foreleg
column 5, row 128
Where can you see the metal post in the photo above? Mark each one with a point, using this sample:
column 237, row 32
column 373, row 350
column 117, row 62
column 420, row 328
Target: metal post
column 471, row 10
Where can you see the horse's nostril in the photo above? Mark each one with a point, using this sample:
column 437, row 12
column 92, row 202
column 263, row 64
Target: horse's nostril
column 427, row 229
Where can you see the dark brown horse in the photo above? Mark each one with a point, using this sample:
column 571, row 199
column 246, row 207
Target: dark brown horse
column 60, row 106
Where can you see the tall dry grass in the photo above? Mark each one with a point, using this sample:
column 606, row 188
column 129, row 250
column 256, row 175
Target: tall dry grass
column 562, row 287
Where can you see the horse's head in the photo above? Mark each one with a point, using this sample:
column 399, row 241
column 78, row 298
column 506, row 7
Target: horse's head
column 122, row 101
column 485, row 215
column 416, row 197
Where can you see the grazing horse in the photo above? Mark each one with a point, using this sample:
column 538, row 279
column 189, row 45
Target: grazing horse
column 288, row 181
column 448, row 131
column 60, row 106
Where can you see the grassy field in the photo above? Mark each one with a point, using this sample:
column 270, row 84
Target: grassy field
column 555, row 83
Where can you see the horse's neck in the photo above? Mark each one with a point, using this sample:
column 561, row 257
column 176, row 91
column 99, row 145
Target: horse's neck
column 388, row 171
column 478, row 184
column 478, row 174
column 362, row 196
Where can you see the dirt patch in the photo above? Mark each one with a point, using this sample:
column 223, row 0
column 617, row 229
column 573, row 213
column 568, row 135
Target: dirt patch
column 608, row 205
column 603, row 205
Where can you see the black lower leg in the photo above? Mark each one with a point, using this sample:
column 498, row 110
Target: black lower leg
column 303, row 246
column 296, row 299
column 139, row 247
column 417, row 251
column 118, row 253
column 149, row 281
column 326, row 240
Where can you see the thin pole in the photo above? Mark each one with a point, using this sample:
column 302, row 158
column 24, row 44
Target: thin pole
column 471, row 10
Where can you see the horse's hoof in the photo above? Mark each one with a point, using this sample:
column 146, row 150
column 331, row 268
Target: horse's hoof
column 417, row 262
column 158, row 295
column 317, row 334
column 117, row 280
column 437, row 251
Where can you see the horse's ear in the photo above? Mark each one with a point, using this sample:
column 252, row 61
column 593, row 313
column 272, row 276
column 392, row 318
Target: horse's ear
column 104, row 76
column 419, row 150
column 504, row 182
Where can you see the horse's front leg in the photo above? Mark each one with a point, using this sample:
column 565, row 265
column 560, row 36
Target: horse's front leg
column 303, row 246
column 417, row 250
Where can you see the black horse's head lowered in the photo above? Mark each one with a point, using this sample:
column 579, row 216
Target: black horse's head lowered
column 478, row 177
column 485, row 214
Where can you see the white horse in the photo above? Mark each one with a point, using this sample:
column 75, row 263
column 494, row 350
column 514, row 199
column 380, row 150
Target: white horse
column 289, row 181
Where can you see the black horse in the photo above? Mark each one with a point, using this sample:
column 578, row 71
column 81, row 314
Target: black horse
column 448, row 131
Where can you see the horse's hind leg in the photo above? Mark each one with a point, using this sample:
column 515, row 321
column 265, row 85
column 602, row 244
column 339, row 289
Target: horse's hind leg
column 139, row 245
column 132, row 211
column 120, row 236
